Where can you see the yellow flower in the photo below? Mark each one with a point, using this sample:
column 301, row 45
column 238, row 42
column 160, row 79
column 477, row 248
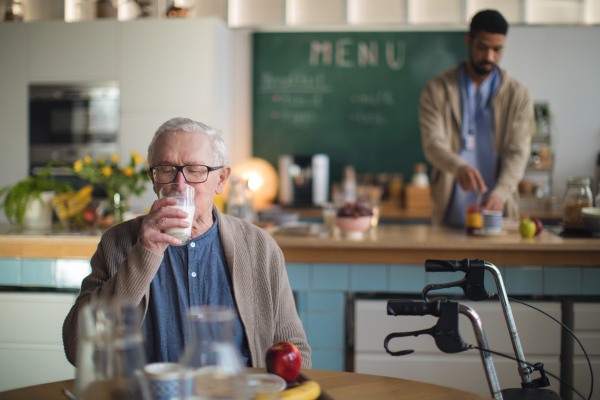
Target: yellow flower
column 77, row 165
column 128, row 171
column 106, row 171
column 101, row 160
column 87, row 160
column 114, row 158
column 137, row 158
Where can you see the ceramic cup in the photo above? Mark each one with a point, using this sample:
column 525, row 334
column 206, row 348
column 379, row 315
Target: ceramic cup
column 164, row 380
column 492, row 221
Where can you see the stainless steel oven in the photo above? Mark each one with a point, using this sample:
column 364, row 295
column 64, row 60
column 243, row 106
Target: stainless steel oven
column 69, row 121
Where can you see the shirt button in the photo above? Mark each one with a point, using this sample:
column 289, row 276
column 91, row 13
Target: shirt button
column 193, row 274
column 193, row 245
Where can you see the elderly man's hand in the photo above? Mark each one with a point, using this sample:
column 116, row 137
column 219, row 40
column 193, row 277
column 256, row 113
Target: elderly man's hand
column 470, row 179
column 162, row 217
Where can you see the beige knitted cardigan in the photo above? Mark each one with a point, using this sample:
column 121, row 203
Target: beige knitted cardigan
column 122, row 269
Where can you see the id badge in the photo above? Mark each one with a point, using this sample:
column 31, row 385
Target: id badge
column 470, row 142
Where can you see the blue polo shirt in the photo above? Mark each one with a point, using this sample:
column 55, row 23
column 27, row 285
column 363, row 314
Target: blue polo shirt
column 477, row 139
column 190, row 275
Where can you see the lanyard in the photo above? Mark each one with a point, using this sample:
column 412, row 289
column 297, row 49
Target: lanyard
column 475, row 115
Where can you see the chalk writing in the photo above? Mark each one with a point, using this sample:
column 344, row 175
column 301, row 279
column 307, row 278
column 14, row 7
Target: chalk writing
column 348, row 53
column 368, row 118
column 294, row 82
column 298, row 100
column 381, row 97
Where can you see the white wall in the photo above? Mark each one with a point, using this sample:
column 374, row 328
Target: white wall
column 166, row 68
column 559, row 64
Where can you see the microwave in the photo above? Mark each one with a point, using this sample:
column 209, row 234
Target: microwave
column 68, row 122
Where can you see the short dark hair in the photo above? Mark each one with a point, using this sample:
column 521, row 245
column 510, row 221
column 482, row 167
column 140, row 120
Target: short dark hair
column 489, row 21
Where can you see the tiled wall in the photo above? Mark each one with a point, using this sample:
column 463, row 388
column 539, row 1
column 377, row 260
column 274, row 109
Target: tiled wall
column 66, row 274
column 321, row 291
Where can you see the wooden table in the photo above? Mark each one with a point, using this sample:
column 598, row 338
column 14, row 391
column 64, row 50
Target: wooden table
column 338, row 385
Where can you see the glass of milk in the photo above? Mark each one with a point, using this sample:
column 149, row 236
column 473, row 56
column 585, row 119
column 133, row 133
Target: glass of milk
column 186, row 201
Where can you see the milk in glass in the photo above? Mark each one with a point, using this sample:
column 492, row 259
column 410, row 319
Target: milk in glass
column 183, row 234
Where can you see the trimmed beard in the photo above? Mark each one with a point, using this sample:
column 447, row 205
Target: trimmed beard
column 479, row 70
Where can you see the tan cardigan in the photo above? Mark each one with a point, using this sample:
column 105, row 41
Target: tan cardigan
column 123, row 269
column 440, row 122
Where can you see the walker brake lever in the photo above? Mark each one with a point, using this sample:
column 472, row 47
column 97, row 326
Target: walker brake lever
column 472, row 284
column 445, row 332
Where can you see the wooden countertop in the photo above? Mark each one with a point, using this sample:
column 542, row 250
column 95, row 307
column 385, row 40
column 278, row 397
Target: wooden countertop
column 389, row 244
column 402, row 244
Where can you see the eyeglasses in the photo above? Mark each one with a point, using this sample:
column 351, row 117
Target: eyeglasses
column 191, row 173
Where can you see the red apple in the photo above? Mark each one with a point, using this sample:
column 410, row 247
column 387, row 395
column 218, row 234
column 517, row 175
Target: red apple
column 89, row 215
column 284, row 359
column 538, row 226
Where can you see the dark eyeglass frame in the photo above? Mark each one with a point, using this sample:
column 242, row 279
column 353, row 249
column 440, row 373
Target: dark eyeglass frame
column 179, row 168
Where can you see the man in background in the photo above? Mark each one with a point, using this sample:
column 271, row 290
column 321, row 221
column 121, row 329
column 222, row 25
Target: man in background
column 476, row 125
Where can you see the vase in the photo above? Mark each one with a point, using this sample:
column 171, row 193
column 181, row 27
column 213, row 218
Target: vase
column 38, row 212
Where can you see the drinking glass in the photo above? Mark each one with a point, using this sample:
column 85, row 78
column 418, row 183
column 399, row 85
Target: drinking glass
column 186, row 201
column 110, row 353
column 211, row 361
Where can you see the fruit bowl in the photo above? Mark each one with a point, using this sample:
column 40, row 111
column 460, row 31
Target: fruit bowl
column 353, row 219
column 591, row 219
column 353, row 226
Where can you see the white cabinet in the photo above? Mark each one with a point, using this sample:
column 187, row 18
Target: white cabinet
column 13, row 104
column 31, row 349
column 77, row 52
column 539, row 335
column 587, row 329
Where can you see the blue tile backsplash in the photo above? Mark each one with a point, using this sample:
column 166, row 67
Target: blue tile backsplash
column 321, row 291
column 10, row 271
column 562, row 281
column 367, row 278
column 330, row 277
column 38, row 273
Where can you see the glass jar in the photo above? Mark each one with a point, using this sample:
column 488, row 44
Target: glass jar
column 239, row 200
column 577, row 196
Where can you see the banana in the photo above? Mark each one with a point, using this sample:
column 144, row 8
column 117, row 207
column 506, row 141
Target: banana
column 307, row 390
column 70, row 204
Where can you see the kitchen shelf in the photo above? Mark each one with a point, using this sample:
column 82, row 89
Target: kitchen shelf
column 537, row 179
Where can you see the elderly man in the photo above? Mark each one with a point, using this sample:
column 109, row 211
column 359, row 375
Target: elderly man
column 228, row 261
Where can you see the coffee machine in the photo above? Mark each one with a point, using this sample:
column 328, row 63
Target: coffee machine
column 303, row 180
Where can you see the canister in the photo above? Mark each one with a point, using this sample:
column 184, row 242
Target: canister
column 577, row 196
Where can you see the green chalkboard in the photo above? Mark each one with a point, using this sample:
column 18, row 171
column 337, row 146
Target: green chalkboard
column 351, row 95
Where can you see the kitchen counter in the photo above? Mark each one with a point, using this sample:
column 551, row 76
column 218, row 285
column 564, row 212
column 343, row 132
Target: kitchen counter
column 395, row 244
column 328, row 273
column 402, row 244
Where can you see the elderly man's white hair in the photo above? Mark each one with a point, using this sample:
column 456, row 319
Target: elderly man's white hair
column 187, row 125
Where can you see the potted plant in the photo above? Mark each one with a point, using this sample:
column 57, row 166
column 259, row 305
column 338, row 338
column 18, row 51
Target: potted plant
column 119, row 182
column 28, row 202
